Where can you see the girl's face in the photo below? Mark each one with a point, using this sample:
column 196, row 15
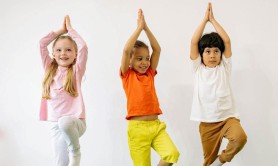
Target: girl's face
column 64, row 52
column 140, row 60
column 212, row 56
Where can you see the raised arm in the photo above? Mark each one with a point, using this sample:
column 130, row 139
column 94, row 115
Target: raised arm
column 82, row 53
column 45, row 41
column 194, row 51
column 130, row 44
column 220, row 30
column 63, row 29
column 154, row 44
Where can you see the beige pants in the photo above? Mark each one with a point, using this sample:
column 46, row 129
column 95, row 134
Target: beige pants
column 212, row 135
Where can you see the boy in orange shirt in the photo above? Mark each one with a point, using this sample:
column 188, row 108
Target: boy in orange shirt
column 145, row 130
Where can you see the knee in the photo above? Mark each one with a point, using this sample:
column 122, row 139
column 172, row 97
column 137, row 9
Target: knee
column 241, row 140
column 65, row 123
column 175, row 153
column 172, row 156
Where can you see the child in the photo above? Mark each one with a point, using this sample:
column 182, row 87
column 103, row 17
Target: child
column 62, row 101
column 213, row 103
column 137, row 72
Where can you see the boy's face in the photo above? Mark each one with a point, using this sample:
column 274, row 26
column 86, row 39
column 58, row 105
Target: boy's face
column 140, row 60
column 64, row 52
column 211, row 56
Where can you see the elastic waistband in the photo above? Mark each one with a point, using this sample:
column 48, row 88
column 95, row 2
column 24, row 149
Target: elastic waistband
column 142, row 122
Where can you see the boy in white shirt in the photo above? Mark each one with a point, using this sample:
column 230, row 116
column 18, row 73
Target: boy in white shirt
column 213, row 103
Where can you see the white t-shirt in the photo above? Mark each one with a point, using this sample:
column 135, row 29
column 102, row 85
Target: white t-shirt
column 212, row 97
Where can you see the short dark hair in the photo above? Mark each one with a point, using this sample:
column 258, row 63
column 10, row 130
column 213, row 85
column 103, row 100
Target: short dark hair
column 139, row 44
column 210, row 40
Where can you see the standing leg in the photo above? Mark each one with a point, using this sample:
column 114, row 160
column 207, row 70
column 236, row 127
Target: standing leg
column 60, row 147
column 139, row 143
column 211, row 140
column 72, row 128
column 237, row 139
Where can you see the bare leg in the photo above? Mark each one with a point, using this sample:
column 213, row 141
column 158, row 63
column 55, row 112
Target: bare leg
column 162, row 163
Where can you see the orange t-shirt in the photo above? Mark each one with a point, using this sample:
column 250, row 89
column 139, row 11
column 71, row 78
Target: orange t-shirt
column 140, row 93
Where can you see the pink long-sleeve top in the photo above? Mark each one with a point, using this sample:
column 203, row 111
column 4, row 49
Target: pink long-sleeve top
column 61, row 102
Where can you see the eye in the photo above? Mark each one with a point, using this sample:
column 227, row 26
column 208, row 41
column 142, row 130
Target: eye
column 148, row 58
column 69, row 49
column 58, row 50
column 139, row 59
column 208, row 51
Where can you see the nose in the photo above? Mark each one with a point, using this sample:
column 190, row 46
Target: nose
column 212, row 55
column 63, row 52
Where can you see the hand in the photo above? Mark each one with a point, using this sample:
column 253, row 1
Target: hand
column 63, row 29
column 211, row 17
column 140, row 21
column 67, row 22
column 206, row 18
column 144, row 21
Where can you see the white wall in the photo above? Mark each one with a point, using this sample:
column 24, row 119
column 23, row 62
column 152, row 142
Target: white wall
column 106, row 25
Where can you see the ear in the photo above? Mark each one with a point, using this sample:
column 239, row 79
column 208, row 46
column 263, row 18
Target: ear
column 130, row 63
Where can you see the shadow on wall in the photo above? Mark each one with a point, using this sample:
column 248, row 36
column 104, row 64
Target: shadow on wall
column 8, row 152
column 255, row 100
column 177, row 110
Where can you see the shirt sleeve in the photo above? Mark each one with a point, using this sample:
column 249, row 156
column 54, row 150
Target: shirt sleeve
column 82, row 53
column 125, row 75
column 44, row 42
column 196, row 63
column 227, row 62
column 152, row 72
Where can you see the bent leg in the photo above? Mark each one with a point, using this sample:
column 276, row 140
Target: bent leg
column 164, row 146
column 237, row 139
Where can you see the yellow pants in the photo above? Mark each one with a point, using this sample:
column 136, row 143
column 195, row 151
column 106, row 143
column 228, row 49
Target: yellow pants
column 142, row 135
column 212, row 135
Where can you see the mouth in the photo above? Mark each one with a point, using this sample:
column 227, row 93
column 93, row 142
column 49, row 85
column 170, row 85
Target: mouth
column 144, row 67
column 64, row 58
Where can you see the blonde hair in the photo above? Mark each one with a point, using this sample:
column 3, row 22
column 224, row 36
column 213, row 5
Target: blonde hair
column 51, row 72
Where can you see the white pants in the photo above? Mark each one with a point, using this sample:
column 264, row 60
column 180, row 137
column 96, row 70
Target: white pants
column 65, row 134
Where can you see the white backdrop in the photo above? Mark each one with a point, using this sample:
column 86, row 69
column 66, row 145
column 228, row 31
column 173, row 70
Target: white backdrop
column 106, row 25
